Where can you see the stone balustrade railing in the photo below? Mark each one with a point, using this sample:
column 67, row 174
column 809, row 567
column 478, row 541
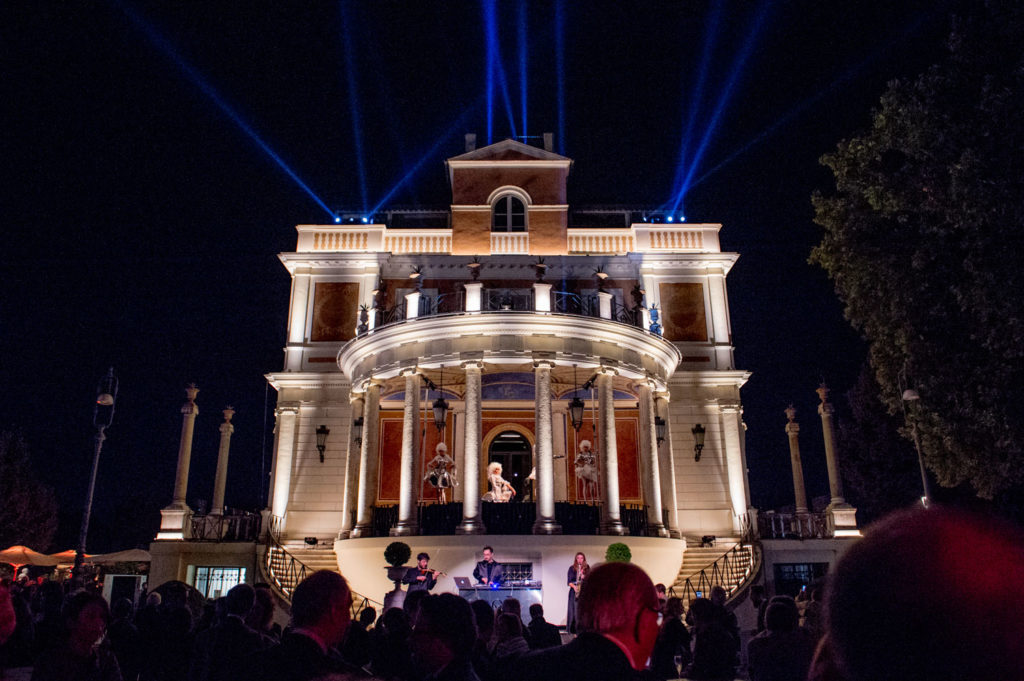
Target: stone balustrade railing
column 638, row 238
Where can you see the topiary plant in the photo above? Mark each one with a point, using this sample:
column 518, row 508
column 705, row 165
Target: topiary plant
column 618, row 553
column 397, row 553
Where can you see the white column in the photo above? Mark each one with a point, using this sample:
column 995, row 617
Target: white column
column 842, row 516
column 604, row 301
column 368, row 463
column 542, row 297
column 352, row 469
column 189, row 411
column 611, row 522
column 667, row 468
column 284, row 457
column 297, row 313
column 174, row 518
column 730, row 420
column 412, row 305
column 409, row 481
column 545, row 522
column 220, row 481
column 649, row 464
column 473, row 290
column 793, row 433
column 471, row 522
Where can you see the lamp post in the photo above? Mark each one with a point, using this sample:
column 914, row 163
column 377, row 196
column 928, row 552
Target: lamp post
column 440, row 406
column 659, row 428
column 910, row 395
column 102, row 416
column 576, row 406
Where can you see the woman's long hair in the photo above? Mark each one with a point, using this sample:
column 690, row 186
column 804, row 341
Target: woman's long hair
column 585, row 569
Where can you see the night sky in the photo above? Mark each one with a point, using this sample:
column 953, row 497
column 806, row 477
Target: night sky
column 143, row 211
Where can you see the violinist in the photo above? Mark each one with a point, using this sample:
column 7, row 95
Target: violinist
column 421, row 577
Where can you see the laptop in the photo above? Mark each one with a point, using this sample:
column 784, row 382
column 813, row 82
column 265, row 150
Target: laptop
column 463, row 583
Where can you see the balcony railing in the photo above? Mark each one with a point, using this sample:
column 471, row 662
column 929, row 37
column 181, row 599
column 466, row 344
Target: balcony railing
column 507, row 300
column 232, row 525
column 510, row 518
column 771, row 525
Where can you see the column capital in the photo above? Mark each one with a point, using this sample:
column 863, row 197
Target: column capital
column 608, row 370
column 286, row 408
column 354, row 397
column 793, row 427
column 543, row 360
column 663, row 395
column 729, row 406
column 409, row 371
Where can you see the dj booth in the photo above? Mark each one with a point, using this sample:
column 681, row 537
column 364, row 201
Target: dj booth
column 526, row 593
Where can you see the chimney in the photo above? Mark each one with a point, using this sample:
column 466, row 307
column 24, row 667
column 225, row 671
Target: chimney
column 549, row 141
column 470, row 141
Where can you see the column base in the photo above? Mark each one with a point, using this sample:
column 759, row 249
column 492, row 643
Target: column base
column 675, row 534
column 471, row 526
column 344, row 534
column 547, row 526
column 404, row 530
column 360, row 531
column 614, row 527
column 657, row 531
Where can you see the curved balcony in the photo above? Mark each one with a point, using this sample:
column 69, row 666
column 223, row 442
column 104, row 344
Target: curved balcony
column 508, row 336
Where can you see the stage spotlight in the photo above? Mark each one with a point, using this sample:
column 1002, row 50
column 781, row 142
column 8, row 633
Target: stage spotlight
column 669, row 218
column 337, row 219
column 366, row 221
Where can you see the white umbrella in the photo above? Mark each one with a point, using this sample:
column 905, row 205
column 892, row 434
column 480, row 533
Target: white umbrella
column 23, row 555
column 129, row 556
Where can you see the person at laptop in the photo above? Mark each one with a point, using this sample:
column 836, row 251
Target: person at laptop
column 488, row 572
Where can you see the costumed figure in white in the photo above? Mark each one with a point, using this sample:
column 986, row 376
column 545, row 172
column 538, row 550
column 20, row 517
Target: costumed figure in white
column 501, row 489
column 441, row 472
column 586, row 473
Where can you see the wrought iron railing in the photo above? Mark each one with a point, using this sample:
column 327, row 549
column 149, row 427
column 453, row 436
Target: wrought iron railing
column 445, row 303
column 509, row 518
column 567, row 302
column 771, row 525
column 634, row 316
column 285, row 571
column 728, row 571
column 232, row 525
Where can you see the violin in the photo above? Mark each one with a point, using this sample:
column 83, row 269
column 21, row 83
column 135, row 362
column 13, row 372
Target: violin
column 437, row 573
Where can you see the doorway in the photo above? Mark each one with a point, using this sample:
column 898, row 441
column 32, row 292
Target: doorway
column 512, row 450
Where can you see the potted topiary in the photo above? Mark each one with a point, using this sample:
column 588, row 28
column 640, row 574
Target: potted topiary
column 618, row 553
column 396, row 555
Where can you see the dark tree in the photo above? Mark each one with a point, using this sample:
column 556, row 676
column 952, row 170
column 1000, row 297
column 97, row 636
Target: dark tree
column 923, row 240
column 880, row 470
column 28, row 510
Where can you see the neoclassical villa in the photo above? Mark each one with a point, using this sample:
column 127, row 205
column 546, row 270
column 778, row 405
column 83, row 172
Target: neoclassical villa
column 587, row 352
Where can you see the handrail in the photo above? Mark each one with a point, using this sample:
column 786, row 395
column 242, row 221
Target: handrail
column 292, row 571
column 727, row 571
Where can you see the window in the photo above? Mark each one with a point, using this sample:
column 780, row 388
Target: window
column 214, row 582
column 509, row 215
column 791, row 578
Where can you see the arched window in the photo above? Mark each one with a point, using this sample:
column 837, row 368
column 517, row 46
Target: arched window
column 509, row 215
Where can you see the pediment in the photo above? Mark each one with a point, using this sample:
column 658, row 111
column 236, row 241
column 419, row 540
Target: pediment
column 509, row 150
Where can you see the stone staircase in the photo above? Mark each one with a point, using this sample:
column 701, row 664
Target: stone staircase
column 322, row 557
column 727, row 564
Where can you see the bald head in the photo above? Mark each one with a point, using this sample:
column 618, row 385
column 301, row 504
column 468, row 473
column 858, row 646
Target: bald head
column 930, row 594
column 613, row 595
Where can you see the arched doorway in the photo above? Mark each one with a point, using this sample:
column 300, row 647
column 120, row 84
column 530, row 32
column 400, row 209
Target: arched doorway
column 513, row 451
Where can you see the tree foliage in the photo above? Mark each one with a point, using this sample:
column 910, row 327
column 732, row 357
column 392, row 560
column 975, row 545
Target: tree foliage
column 28, row 509
column 922, row 240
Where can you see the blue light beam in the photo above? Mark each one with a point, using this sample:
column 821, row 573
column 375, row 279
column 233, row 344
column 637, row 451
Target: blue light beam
column 560, row 71
column 455, row 128
column 353, row 101
column 495, row 67
column 696, row 98
column 523, row 54
column 171, row 53
column 725, row 96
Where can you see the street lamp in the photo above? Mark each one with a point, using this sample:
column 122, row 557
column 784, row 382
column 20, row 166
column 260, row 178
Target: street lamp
column 102, row 416
column 357, row 430
column 698, row 441
column 440, row 406
column 910, row 395
column 659, row 429
column 576, row 406
column 321, row 440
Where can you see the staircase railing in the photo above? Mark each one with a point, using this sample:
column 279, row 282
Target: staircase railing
column 729, row 571
column 285, row 571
